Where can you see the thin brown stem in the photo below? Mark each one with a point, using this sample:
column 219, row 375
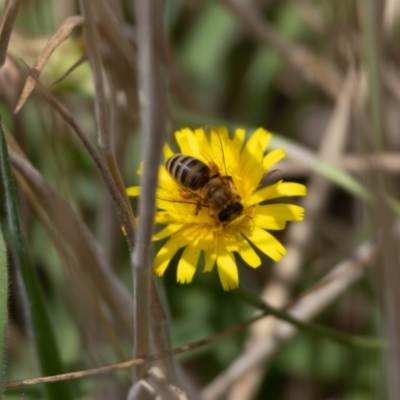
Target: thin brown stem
column 153, row 131
column 9, row 15
column 93, row 51
column 119, row 203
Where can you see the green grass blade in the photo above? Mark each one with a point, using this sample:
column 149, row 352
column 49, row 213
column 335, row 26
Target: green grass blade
column 43, row 336
column 3, row 309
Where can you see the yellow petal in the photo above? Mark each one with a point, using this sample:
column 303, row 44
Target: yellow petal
column 187, row 264
column 221, row 153
column 168, row 153
column 251, row 169
column 272, row 158
column 264, row 241
column 187, row 142
column 170, row 229
column 281, row 212
column 260, row 136
column 227, row 269
column 133, row 191
column 238, row 138
column 279, row 189
column 248, row 254
column 269, row 223
column 163, row 217
column 202, row 140
column 166, row 253
column 210, row 257
column 223, row 132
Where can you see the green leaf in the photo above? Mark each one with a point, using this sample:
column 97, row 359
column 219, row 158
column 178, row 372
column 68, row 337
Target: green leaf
column 43, row 336
column 3, row 309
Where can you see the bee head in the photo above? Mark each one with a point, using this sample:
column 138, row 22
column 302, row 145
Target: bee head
column 230, row 213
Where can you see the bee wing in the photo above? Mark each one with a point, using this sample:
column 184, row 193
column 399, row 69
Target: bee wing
column 179, row 196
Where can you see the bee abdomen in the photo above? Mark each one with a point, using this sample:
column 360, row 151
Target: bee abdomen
column 188, row 171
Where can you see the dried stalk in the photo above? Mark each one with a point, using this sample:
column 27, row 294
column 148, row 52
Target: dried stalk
column 114, row 293
column 62, row 33
column 93, row 51
column 385, row 161
column 10, row 12
column 285, row 273
column 310, row 66
column 153, row 131
column 119, row 202
column 332, row 286
column 306, row 308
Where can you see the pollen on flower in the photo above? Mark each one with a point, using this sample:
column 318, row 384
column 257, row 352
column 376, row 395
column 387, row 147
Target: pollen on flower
column 210, row 201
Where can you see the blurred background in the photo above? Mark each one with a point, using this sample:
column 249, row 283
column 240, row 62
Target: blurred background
column 323, row 75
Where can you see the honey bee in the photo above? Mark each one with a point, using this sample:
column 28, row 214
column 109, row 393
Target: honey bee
column 206, row 186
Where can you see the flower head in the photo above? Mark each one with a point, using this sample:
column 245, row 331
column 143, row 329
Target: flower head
column 198, row 221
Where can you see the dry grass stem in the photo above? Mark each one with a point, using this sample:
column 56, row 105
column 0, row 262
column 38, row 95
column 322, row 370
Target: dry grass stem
column 311, row 67
column 286, row 272
column 93, row 52
column 384, row 161
column 8, row 17
column 153, row 130
column 101, row 108
column 391, row 15
column 337, row 281
column 118, row 199
column 323, row 78
column 157, row 380
column 85, row 301
column 63, row 33
column 75, row 233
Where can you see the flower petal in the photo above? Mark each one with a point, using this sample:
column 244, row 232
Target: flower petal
column 279, row 189
column 168, row 153
column 169, row 230
column 187, row 264
column 133, row 191
column 227, row 268
column 166, row 253
column 210, row 256
column 261, row 136
column 281, row 212
column 220, row 151
column 238, row 138
column 201, row 139
column 266, row 222
column 265, row 242
column 251, row 169
column 187, row 142
column 272, row 158
column 248, row 254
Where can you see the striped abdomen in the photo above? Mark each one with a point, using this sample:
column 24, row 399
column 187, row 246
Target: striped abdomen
column 188, row 171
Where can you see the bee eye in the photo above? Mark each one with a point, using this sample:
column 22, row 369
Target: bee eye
column 230, row 213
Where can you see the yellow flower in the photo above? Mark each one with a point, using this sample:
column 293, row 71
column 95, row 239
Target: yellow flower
column 190, row 222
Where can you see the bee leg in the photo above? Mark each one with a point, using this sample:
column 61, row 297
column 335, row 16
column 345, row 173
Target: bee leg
column 198, row 208
column 185, row 194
